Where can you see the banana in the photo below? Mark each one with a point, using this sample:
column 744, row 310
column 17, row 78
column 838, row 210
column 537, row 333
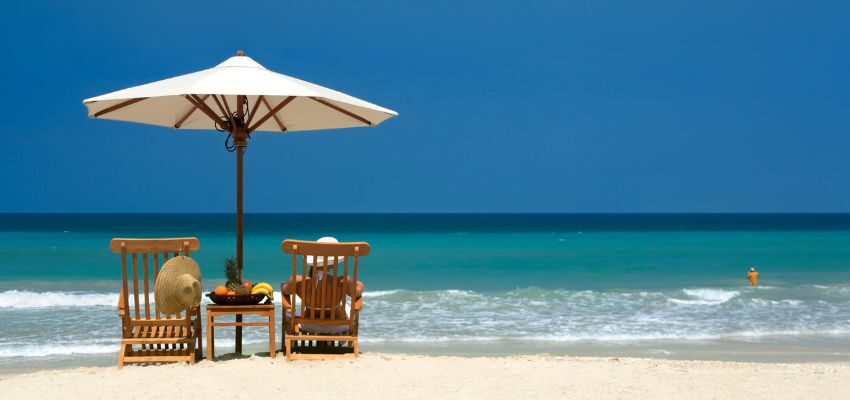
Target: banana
column 263, row 291
column 264, row 285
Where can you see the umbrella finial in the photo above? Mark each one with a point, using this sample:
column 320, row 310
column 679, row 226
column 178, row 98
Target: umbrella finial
column 240, row 53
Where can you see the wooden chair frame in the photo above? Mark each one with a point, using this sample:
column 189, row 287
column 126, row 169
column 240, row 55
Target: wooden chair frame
column 159, row 337
column 299, row 344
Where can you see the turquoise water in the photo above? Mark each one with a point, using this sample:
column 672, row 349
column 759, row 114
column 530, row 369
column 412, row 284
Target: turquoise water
column 651, row 285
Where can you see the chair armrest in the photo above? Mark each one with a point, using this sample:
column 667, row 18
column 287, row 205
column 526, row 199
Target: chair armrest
column 285, row 303
column 121, row 310
column 194, row 311
column 284, row 299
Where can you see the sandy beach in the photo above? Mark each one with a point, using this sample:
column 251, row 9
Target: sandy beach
column 393, row 376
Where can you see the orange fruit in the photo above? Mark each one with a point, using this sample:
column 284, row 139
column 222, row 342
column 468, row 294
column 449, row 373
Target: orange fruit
column 220, row 290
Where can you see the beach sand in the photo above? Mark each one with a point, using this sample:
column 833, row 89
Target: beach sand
column 398, row 376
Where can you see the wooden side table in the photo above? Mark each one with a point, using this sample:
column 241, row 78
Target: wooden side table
column 215, row 310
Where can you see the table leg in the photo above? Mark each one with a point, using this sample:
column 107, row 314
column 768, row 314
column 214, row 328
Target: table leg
column 272, row 348
column 210, row 337
column 238, row 334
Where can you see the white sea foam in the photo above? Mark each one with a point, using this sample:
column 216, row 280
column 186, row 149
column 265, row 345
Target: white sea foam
column 706, row 296
column 599, row 316
column 56, row 349
column 380, row 293
column 28, row 299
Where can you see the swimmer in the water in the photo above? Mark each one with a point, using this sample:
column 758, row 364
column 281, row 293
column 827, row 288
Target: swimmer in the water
column 753, row 277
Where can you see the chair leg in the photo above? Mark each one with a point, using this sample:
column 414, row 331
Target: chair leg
column 288, row 350
column 199, row 352
column 210, row 337
column 356, row 348
column 121, row 354
column 283, row 327
column 190, row 347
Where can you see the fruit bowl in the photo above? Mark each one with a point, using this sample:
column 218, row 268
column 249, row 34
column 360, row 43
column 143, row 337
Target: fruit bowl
column 237, row 299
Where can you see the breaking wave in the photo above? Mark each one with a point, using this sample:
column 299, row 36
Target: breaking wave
column 28, row 299
column 38, row 324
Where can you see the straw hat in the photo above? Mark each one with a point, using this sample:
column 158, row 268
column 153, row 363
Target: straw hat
column 317, row 261
column 178, row 285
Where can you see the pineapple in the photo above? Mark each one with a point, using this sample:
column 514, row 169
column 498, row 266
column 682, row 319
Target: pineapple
column 233, row 281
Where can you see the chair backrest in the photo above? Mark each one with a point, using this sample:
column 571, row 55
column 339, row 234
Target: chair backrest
column 320, row 298
column 153, row 254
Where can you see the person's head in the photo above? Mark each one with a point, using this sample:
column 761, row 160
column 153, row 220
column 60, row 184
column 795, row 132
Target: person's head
column 752, row 269
column 316, row 263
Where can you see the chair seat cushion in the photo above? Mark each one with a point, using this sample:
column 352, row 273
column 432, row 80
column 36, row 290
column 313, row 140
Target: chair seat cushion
column 320, row 329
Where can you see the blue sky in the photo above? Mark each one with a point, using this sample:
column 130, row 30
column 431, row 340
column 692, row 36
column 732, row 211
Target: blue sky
column 505, row 106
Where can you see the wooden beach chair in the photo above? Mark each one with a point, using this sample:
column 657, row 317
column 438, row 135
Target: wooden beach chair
column 147, row 336
column 321, row 316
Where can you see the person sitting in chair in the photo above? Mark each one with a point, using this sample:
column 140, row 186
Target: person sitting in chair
column 316, row 281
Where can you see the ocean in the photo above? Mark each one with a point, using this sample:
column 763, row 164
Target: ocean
column 646, row 285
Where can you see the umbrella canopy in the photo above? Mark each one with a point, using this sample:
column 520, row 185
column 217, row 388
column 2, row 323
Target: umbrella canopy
column 238, row 96
column 297, row 105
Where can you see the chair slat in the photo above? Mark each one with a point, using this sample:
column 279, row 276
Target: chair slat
column 354, row 286
column 136, row 284
column 155, row 274
column 334, row 302
column 294, row 289
column 124, row 288
column 312, row 286
column 147, row 289
column 303, row 285
column 345, row 288
column 324, row 284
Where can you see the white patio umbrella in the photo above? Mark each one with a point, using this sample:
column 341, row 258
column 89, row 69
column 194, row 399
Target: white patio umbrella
column 238, row 96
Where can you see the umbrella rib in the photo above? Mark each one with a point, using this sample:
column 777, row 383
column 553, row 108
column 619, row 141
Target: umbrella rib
column 342, row 110
column 254, row 110
column 203, row 107
column 226, row 113
column 118, row 106
column 188, row 113
column 272, row 112
column 276, row 119
column 202, row 104
column 227, row 108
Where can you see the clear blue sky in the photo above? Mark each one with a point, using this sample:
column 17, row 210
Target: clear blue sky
column 505, row 106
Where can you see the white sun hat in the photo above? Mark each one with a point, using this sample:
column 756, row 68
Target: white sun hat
column 318, row 261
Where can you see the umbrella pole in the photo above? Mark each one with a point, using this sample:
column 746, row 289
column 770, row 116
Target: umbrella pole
column 240, row 151
column 241, row 141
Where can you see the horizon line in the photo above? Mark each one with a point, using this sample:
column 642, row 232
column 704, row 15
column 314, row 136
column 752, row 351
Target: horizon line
column 432, row 213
